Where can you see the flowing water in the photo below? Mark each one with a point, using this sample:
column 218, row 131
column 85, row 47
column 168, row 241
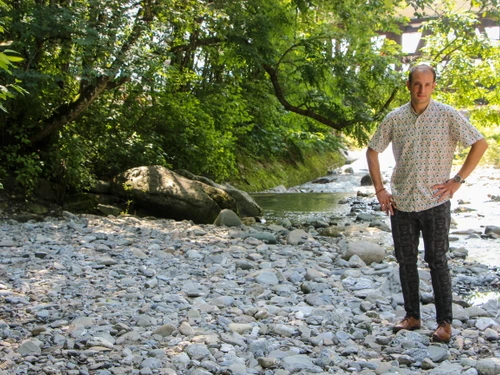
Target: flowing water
column 476, row 198
column 299, row 207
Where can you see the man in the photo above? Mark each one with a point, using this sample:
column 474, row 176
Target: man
column 424, row 135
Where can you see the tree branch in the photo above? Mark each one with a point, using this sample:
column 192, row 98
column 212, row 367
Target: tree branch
column 88, row 93
column 69, row 112
column 288, row 106
column 199, row 43
column 381, row 111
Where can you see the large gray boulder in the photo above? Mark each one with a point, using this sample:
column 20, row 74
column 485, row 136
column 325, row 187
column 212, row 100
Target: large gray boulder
column 369, row 252
column 160, row 192
column 227, row 218
column 245, row 204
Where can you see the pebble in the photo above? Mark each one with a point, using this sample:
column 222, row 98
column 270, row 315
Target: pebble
column 85, row 294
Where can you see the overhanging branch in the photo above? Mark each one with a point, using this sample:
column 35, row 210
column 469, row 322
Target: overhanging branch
column 70, row 111
column 288, row 106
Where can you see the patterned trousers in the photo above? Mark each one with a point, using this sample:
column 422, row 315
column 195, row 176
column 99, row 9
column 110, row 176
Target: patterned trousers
column 434, row 224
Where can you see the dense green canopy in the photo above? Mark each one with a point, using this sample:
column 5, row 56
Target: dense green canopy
column 112, row 84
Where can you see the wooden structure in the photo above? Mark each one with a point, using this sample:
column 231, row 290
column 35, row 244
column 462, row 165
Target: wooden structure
column 415, row 25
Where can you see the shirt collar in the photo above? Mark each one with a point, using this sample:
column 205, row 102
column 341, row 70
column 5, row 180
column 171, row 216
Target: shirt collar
column 412, row 111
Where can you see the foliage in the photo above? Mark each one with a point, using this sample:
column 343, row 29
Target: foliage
column 257, row 174
column 197, row 84
column 468, row 66
column 7, row 60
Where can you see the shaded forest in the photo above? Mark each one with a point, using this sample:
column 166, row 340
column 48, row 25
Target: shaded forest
column 90, row 88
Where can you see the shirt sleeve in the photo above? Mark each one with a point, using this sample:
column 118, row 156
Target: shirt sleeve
column 465, row 132
column 382, row 136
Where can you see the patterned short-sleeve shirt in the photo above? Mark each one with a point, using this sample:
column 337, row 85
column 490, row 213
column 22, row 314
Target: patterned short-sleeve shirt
column 423, row 147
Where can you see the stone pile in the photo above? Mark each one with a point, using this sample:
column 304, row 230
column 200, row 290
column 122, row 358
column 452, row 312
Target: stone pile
column 83, row 294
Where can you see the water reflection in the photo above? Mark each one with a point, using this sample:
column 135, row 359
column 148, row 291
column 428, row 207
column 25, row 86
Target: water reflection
column 479, row 298
column 298, row 207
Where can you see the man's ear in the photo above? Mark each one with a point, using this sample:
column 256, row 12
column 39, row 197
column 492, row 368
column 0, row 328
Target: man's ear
column 408, row 84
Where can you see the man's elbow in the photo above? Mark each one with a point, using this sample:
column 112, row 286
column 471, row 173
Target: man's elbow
column 481, row 145
column 370, row 152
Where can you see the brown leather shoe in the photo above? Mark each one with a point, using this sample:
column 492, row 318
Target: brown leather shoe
column 409, row 323
column 442, row 333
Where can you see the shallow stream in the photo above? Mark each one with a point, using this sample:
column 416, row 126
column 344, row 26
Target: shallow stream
column 476, row 199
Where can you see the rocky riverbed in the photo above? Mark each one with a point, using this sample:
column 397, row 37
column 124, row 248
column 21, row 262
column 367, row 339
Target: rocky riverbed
column 83, row 294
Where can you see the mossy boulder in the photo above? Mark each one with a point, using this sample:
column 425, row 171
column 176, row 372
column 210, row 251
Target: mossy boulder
column 160, row 192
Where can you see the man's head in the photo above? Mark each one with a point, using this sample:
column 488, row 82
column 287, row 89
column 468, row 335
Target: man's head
column 421, row 83
column 421, row 68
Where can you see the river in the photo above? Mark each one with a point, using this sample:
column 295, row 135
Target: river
column 472, row 206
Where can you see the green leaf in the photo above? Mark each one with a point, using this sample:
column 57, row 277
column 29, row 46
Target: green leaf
column 5, row 63
column 14, row 59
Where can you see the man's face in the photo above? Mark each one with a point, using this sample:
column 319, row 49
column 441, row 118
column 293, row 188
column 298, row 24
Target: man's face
column 421, row 87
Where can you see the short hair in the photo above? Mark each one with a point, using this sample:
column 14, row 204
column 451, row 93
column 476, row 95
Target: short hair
column 422, row 68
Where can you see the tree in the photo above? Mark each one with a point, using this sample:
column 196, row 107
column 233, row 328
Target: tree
column 114, row 84
column 73, row 52
column 468, row 65
column 8, row 59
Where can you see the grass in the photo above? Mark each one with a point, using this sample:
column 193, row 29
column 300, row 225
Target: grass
column 259, row 175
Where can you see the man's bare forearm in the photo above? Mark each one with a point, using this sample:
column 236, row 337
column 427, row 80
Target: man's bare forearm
column 374, row 168
column 475, row 154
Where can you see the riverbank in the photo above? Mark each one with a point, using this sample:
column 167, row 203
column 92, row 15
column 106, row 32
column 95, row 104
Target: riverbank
column 83, row 294
column 258, row 175
column 475, row 207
